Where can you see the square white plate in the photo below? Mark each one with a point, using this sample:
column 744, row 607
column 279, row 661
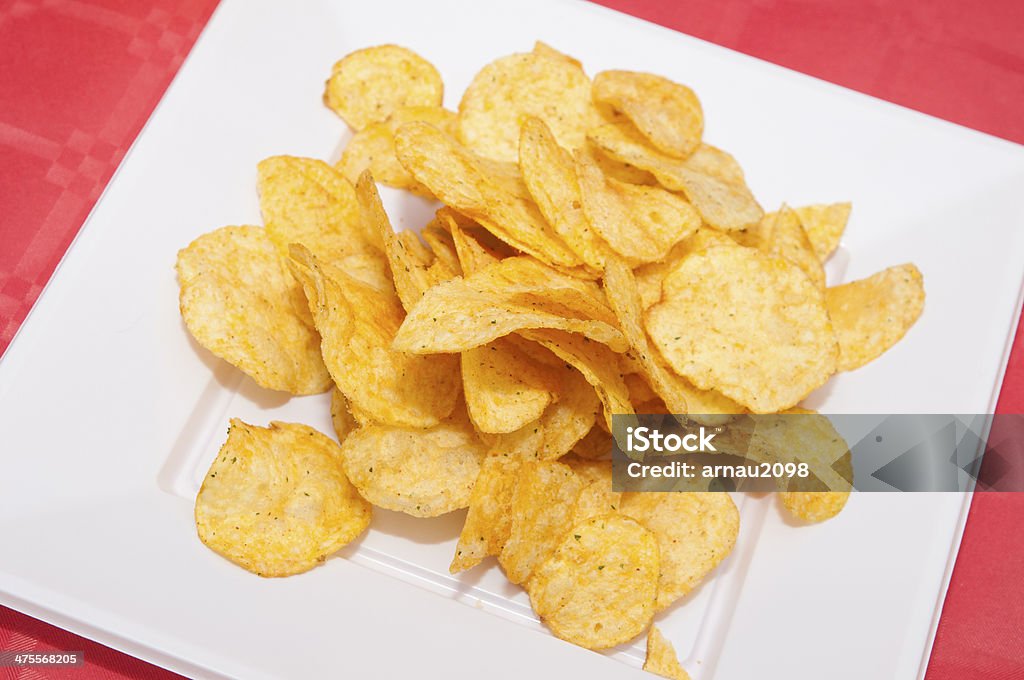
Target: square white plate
column 109, row 413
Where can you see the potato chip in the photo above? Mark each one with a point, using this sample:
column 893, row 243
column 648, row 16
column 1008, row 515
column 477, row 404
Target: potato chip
column 598, row 588
column 722, row 203
column 595, row 361
column 545, row 50
column 358, row 324
column 276, row 501
column 462, row 181
column 542, row 511
column 511, row 295
column 814, row 506
column 695, row 532
column 668, row 114
column 238, row 301
column 780, row 233
column 488, row 521
column 564, row 422
column 824, row 224
column 639, row 386
column 504, row 389
column 596, row 497
column 550, row 176
column 421, row 472
column 748, row 325
column 371, row 84
column 872, row 314
column 596, row 444
column 473, row 255
column 304, row 200
column 641, row 223
column 506, row 91
column 441, row 243
column 341, row 417
column 650, row 276
column 410, row 270
column 373, row 148
column 661, row 657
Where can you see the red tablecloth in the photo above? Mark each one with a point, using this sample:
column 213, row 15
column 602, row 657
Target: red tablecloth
column 80, row 77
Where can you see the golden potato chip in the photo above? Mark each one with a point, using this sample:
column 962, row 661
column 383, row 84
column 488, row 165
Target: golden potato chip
column 410, row 270
column 824, row 224
column 748, row 325
column 421, row 472
column 596, row 444
column 596, row 497
column 373, row 148
column 596, row 362
column 641, row 223
column 780, row 233
column 341, row 417
column 545, row 50
column 541, row 510
column 722, row 203
column 442, row 244
column 695, row 531
column 650, row 276
column 639, row 387
column 239, row 301
column 368, row 268
column 616, row 169
column 814, row 506
column 710, row 160
column 473, row 255
column 304, row 200
column 668, row 114
column 358, row 324
column 371, row 84
column 872, row 314
column 511, row 295
column 511, row 88
column 661, row 657
column 564, row 422
column 464, row 182
column 504, row 388
column 597, row 589
column 488, row 521
column 276, row 501
column 550, row 176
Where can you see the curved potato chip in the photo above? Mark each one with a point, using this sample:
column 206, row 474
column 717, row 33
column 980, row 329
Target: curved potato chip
column 814, row 506
column 461, row 180
column 661, row 657
column 421, row 472
column 341, row 417
column 650, row 276
column 373, row 148
column 504, row 389
column 564, row 422
column 488, row 521
column 541, row 510
column 550, row 176
column 410, row 270
column 597, row 444
column 370, row 84
column 641, row 223
column 595, row 361
column 358, row 324
column 873, row 314
column 238, row 301
column 722, row 202
column 668, row 114
column 750, row 326
column 695, row 532
column 596, row 497
column 508, row 296
column 304, row 200
column 824, row 224
column 511, row 88
column 276, row 501
column 598, row 588
column 780, row 233
column 473, row 255
column 545, row 50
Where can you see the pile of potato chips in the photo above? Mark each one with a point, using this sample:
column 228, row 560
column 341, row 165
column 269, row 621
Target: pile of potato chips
column 591, row 256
